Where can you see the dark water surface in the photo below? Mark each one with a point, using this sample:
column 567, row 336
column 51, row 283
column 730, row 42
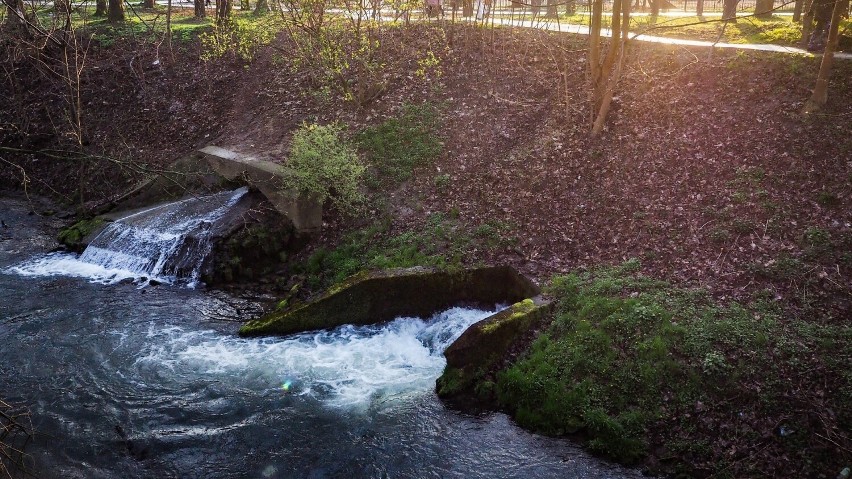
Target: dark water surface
column 130, row 382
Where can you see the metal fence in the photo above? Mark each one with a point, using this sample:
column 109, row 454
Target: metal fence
column 670, row 7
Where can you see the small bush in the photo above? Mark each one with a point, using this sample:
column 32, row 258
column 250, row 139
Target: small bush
column 240, row 36
column 324, row 165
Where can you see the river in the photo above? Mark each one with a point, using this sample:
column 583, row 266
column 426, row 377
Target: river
column 124, row 381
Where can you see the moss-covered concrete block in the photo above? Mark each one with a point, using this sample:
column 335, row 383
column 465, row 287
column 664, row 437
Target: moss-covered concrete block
column 77, row 236
column 374, row 297
column 483, row 348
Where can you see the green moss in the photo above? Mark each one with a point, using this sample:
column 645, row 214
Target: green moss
column 517, row 311
column 73, row 236
column 443, row 242
column 450, row 382
column 473, row 358
column 372, row 297
column 627, row 360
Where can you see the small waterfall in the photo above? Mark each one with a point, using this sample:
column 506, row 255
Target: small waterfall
column 167, row 243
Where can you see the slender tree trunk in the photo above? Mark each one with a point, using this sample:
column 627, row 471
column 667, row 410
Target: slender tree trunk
column 763, row 8
column 467, row 8
column 807, row 23
column 699, row 8
column 536, row 7
column 15, row 14
column 655, row 10
column 729, row 10
column 115, row 11
column 797, row 10
column 63, row 9
column 551, row 9
column 223, row 11
column 100, row 8
column 820, row 95
column 821, row 12
column 199, row 9
column 606, row 71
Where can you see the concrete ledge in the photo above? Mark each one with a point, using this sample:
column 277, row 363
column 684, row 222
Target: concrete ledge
column 374, row 297
column 269, row 178
column 480, row 351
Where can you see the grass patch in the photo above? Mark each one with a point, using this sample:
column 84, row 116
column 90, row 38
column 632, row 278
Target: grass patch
column 398, row 145
column 442, row 242
column 634, row 363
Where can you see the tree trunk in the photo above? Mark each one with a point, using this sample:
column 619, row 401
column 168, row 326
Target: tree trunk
column 729, row 10
column 822, row 11
column 223, row 11
column 198, row 7
column 571, row 7
column 807, row 23
column 62, row 9
column 261, row 7
column 699, row 8
column 148, row 4
column 763, row 8
column 655, row 10
column 797, row 10
column 605, row 71
column 115, row 12
column 536, row 7
column 467, row 8
column 551, row 9
column 820, row 95
column 100, row 8
column 15, row 14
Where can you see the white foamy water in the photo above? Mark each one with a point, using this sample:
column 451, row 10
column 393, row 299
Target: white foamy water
column 350, row 366
column 68, row 264
column 167, row 243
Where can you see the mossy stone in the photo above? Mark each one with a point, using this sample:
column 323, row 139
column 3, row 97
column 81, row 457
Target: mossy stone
column 374, row 297
column 76, row 236
column 481, row 349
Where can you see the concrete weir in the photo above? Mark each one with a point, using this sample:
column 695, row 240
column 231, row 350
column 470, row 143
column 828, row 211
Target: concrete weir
column 377, row 296
column 269, row 178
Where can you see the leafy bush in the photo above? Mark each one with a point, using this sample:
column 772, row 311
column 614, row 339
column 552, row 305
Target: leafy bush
column 241, row 36
column 321, row 163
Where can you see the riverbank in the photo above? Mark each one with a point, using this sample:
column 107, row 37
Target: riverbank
column 707, row 176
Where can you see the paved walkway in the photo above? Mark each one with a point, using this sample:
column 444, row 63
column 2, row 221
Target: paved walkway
column 552, row 25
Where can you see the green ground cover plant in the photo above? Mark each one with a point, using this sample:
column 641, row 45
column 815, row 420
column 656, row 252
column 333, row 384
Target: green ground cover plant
column 400, row 144
column 640, row 367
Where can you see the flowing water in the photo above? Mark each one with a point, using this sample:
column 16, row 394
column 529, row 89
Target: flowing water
column 167, row 243
column 126, row 381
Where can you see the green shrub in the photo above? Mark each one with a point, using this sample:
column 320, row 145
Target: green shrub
column 323, row 164
column 243, row 37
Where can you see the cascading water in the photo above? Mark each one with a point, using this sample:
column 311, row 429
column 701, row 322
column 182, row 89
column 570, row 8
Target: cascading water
column 122, row 384
column 167, row 243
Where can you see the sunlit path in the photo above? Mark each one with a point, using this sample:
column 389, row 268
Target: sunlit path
column 553, row 25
